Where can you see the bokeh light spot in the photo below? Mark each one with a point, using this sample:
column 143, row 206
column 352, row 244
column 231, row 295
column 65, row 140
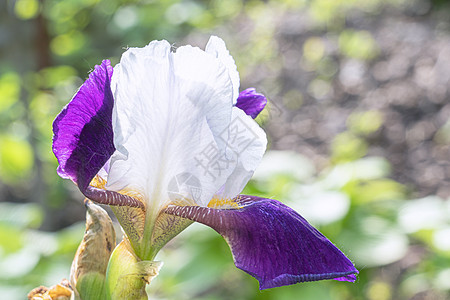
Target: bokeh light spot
column 26, row 9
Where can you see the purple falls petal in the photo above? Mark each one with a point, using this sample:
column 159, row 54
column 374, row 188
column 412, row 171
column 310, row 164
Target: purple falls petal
column 251, row 102
column 272, row 242
column 83, row 136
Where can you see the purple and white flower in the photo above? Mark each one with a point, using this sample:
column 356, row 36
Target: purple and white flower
column 166, row 138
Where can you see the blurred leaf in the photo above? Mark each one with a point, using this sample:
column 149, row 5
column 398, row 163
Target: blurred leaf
column 424, row 235
column 375, row 243
column 12, row 292
column 358, row 44
column 11, row 238
column 68, row 43
column 318, row 206
column 227, row 9
column 26, row 9
column 442, row 281
column 62, row 11
column 69, row 238
column 413, row 285
column 441, row 239
column 126, row 17
column 379, row 290
column 367, row 168
column 319, row 88
column 366, row 122
column 202, row 264
column 442, row 136
column 39, row 109
column 44, row 243
column 374, row 190
column 425, row 213
column 52, row 76
column 9, row 90
column 206, row 266
column 182, row 12
column 324, row 11
column 18, row 263
column 312, row 291
column 21, row 215
column 313, row 49
column 288, row 163
column 347, row 147
column 293, row 99
column 49, row 270
column 16, row 158
column 327, row 68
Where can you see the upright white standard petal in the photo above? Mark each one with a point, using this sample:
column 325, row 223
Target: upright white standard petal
column 216, row 47
column 248, row 141
column 177, row 134
column 170, row 110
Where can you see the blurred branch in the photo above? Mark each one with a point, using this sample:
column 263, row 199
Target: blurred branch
column 42, row 41
column 39, row 188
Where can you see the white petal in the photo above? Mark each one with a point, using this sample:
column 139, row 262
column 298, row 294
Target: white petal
column 216, row 46
column 169, row 108
column 248, row 141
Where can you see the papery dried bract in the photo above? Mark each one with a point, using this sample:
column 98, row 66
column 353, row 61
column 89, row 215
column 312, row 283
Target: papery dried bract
column 91, row 260
column 61, row 291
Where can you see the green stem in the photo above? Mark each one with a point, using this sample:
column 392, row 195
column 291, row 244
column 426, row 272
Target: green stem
column 127, row 275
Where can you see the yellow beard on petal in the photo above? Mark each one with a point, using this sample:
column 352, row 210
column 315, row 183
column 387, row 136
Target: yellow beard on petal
column 100, row 183
column 223, row 203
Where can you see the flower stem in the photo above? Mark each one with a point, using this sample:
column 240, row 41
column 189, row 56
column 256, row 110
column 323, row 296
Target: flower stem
column 127, row 275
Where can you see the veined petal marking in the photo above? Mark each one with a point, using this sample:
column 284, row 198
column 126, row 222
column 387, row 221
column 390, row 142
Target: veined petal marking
column 83, row 137
column 272, row 242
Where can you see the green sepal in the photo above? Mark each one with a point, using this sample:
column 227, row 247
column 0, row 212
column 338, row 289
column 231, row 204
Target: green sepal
column 166, row 228
column 127, row 275
column 91, row 286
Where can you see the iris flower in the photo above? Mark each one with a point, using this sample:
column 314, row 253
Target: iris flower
column 165, row 138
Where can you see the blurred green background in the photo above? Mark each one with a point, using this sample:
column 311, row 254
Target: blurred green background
column 358, row 122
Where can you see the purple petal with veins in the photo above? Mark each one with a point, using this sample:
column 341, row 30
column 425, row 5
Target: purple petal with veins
column 272, row 242
column 83, row 136
column 251, row 102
